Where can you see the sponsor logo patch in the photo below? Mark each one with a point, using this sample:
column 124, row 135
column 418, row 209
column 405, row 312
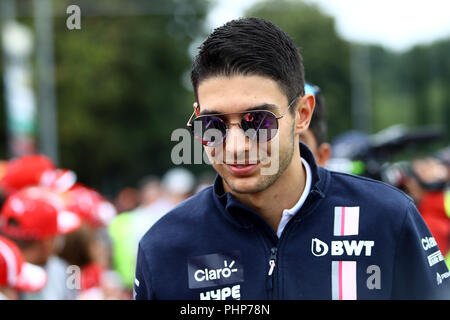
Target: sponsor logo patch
column 440, row 277
column 342, row 247
column 428, row 243
column 227, row 293
column 434, row 258
column 215, row 269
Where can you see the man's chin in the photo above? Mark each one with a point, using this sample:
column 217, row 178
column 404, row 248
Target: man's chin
column 245, row 185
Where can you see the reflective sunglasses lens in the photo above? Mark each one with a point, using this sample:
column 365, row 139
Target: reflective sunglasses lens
column 260, row 126
column 209, row 130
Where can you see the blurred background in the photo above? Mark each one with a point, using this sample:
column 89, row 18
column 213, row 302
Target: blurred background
column 99, row 86
column 104, row 99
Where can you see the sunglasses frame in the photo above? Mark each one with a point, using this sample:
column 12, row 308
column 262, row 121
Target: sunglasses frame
column 227, row 125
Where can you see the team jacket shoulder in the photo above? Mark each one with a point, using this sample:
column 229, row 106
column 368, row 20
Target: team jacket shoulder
column 186, row 216
column 366, row 184
column 383, row 200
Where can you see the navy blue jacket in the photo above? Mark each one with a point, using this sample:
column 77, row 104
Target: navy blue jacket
column 354, row 238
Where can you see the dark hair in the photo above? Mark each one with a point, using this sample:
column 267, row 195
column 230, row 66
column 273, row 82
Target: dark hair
column 318, row 124
column 77, row 244
column 250, row 46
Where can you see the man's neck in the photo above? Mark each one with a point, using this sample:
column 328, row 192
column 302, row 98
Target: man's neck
column 282, row 194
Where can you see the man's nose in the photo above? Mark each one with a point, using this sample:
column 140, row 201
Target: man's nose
column 236, row 143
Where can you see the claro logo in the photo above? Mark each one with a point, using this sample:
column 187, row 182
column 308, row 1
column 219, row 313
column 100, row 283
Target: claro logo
column 213, row 274
column 341, row 247
column 216, row 269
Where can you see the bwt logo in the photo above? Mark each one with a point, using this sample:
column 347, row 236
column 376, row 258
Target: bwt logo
column 341, row 247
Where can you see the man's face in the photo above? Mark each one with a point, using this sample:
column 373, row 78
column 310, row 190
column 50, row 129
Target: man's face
column 238, row 94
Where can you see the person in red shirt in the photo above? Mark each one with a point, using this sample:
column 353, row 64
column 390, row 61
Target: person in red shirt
column 426, row 185
column 17, row 275
column 35, row 219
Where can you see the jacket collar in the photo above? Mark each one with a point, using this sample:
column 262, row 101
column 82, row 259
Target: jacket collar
column 235, row 211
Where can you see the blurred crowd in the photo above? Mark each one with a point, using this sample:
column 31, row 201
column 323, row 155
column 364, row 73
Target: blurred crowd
column 62, row 240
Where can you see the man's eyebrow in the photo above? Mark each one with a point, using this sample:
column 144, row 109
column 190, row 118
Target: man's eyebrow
column 264, row 106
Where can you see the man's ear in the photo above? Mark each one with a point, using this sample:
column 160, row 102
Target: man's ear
column 305, row 109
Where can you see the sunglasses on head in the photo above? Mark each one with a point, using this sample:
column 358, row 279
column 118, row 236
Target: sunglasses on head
column 258, row 125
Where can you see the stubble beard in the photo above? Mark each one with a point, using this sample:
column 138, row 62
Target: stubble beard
column 265, row 181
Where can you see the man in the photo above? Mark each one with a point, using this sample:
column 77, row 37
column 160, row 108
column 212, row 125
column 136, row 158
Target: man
column 17, row 275
column 128, row 228
column 425, row 182
column 315, row 137
column 35, row 170
column 35, row 218
column 298, row 232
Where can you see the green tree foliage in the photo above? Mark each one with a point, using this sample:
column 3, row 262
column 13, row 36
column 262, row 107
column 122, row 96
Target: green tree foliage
column 325, row 54
column 120, row 91
column 411, row 87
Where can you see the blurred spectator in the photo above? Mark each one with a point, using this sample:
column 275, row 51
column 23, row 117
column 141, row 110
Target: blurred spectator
column 444, row 156
column 24, row 171
column 16, row 275
column 127, row 229
column 425, row 183
column 89, row 246
column 35, row 170
column 178, row 185
column 90, row 205
column 2, row 168
column 34, row 217
column 86, row 249
column 316, row 135
column 150, row 190
column 427, row 174
column 127, row 199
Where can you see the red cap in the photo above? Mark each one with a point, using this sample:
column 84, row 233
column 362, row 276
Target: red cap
column 15, row 272
column 59, row 180
column 90, row 205
column 36, row 213
column 24, row 171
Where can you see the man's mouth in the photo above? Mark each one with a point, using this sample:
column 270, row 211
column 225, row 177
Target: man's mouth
column 242, row 169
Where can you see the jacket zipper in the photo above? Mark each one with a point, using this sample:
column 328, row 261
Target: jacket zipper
column 272, row 272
